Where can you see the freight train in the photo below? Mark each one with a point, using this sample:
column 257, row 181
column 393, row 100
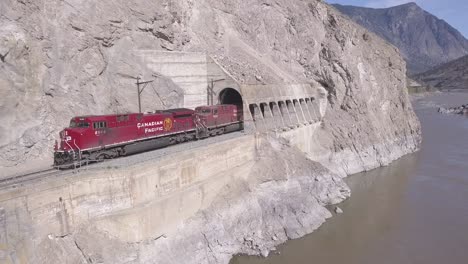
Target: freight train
column 95, row 138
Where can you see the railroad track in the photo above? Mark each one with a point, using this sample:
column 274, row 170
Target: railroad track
column 18, row 180
column 42, row 175
column 15, row 180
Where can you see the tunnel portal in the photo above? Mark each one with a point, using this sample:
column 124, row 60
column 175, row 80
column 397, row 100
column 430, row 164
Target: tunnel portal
column 230, row 96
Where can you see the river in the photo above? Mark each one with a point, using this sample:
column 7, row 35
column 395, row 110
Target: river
column 413, row 211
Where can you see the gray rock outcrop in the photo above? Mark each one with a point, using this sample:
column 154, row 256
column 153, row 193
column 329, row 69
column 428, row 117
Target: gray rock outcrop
column 424, row 40
column 461, row 110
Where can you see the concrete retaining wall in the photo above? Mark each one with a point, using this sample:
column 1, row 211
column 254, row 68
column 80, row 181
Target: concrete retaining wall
column 133, row 204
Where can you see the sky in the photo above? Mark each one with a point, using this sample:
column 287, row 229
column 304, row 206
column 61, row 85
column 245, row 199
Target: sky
column 454, row 12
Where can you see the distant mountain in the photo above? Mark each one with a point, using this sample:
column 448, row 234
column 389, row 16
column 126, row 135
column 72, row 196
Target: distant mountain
column 449, row 76
column 424, row 40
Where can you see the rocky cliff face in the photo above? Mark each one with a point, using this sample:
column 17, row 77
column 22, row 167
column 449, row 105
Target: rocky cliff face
column 449, row 76
column 64, row 58
column 424, row 40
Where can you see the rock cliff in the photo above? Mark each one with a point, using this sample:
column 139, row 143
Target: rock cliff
column 424, row 40
column 64, row 58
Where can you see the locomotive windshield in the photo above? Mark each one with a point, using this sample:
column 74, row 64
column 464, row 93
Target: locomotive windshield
column 204, row 111
column 73, row 123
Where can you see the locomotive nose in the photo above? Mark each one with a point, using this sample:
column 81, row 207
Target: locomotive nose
column 65, row 135
column 64, row 139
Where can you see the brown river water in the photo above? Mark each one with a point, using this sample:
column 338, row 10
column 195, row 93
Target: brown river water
column 414, row 211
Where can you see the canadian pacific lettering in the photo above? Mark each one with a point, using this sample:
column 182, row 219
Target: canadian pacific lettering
column 154, row 129
column 150, row 124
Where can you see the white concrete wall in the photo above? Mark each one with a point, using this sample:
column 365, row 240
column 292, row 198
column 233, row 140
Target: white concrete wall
column 188, row 70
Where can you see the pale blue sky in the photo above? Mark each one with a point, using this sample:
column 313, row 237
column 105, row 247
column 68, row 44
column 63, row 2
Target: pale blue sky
column 455, row 12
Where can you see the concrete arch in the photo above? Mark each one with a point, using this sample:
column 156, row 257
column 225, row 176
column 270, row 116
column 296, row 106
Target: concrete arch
column 299, row 111
column 305, row 108
column 268, row 118
column 255, row 112
column 282, row 108
column 264, row 109
column 292, row 113
column 311, row 103
column 230, row 96
column 284, row 113
column 274, row 109
column 276, row 115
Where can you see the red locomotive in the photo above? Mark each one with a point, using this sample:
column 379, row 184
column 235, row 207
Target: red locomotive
column 95, row 138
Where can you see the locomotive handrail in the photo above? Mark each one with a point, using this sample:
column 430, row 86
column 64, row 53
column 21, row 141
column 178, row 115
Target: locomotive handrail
column 71, row 150
column 199, row 122
column 200, row 126
column 70, row 147
column 79, row 150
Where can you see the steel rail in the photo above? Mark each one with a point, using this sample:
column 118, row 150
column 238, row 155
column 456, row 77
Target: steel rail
column 17, row 179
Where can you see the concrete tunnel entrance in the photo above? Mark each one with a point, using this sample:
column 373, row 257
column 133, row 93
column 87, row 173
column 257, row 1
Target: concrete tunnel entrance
column 232, row 96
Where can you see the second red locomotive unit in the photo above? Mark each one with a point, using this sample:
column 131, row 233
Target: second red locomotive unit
column 95, row 138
